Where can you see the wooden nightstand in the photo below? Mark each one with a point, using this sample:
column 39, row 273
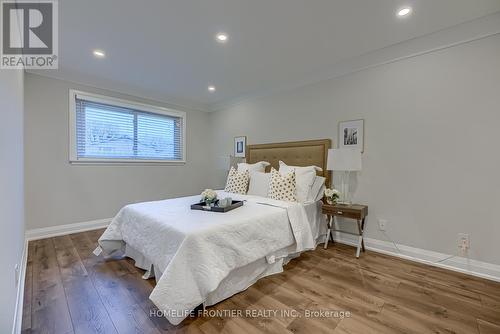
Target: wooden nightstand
column 355, row 211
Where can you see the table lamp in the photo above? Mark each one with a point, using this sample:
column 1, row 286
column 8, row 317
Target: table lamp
column 345, row 160
column 227, row 161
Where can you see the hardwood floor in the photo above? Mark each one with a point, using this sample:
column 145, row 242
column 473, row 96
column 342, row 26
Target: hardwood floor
column 69, row 290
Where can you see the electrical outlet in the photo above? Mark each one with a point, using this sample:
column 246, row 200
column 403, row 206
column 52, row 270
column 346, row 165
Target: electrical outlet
column 382, row 224
column 463, row 242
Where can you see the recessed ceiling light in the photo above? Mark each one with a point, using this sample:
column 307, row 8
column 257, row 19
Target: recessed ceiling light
column 99, row 53
column 404, row 11
column 221, row 37
column 211, row 89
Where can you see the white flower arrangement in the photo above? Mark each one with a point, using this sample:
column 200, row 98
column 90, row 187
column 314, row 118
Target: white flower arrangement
column 208, row 196
column 332, row 195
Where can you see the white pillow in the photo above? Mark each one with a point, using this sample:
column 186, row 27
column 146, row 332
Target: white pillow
column 304, row 178
column 256, row 167
column 259, row 184
column 317, row 190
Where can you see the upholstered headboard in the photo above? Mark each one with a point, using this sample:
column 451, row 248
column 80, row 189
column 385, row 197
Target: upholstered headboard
column 297, row 153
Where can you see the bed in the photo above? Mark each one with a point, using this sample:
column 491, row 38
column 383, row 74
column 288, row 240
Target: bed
column 200, row 257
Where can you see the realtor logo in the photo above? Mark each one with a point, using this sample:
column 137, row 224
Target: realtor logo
column 29, row 34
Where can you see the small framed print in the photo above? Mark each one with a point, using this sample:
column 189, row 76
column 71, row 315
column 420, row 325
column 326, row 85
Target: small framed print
column 351, row 134
column 240, row 144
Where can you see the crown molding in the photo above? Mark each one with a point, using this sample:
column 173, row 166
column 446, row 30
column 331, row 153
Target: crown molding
column 118, row 88
column 481, row 28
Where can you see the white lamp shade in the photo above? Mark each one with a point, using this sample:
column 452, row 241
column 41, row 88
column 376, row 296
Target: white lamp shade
column 344, row 159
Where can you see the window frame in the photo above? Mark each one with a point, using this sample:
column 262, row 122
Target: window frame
column 73, row 156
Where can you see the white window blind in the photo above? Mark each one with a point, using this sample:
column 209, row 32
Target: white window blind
column 112, row 130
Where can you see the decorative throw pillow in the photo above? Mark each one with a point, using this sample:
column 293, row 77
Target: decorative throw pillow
column 304, row 177
column 237, row 182
column 281, row 187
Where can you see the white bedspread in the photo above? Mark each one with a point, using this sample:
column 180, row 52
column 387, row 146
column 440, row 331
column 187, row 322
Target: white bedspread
column 195, row 250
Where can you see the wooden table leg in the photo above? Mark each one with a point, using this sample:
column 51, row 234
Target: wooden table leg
column 360, row 239
column 329, row 230
column 363, row 232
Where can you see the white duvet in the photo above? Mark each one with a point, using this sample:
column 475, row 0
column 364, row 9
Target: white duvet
column 195, row 250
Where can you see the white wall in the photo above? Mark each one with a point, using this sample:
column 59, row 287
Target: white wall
column 11, row 190
column 431, row 159
column 59, row 193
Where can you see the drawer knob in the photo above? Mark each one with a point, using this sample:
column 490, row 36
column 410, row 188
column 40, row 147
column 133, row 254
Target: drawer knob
column 339, row 212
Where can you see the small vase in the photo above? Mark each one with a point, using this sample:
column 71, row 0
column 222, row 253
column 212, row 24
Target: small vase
column 331, row 201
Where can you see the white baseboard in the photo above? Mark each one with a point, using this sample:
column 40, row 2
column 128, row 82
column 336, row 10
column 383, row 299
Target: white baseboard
column 54, row 231
column 460, row 264
column 18, row 312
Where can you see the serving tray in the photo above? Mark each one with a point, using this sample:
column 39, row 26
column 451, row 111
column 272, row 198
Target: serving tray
column 201, row 206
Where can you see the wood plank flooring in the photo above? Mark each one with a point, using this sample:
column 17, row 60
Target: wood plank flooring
column 69, row 290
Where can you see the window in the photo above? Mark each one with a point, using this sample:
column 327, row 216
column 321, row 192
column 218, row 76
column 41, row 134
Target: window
column 105, row 129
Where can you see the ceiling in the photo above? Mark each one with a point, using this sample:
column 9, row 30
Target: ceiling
column 166, row 49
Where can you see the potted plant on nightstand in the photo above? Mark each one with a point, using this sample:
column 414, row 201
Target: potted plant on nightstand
column 331, row 196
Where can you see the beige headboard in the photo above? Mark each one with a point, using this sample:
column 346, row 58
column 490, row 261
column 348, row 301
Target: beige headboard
column 297, row 153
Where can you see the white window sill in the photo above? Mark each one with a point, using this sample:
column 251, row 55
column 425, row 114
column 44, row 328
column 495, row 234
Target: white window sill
column 127, row 163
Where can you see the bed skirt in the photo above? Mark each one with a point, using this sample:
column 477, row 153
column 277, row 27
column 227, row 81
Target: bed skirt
column 238, row 280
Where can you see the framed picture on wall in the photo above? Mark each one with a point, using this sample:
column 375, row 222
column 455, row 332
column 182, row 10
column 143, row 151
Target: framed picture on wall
column 351, row 134
column 240, row 144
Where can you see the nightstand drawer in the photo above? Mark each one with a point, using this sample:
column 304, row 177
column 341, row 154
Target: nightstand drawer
column 343, row 213
column 354, row 211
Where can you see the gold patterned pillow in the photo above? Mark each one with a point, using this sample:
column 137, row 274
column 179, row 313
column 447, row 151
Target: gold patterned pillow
column 282, row 188
column 237, row 182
